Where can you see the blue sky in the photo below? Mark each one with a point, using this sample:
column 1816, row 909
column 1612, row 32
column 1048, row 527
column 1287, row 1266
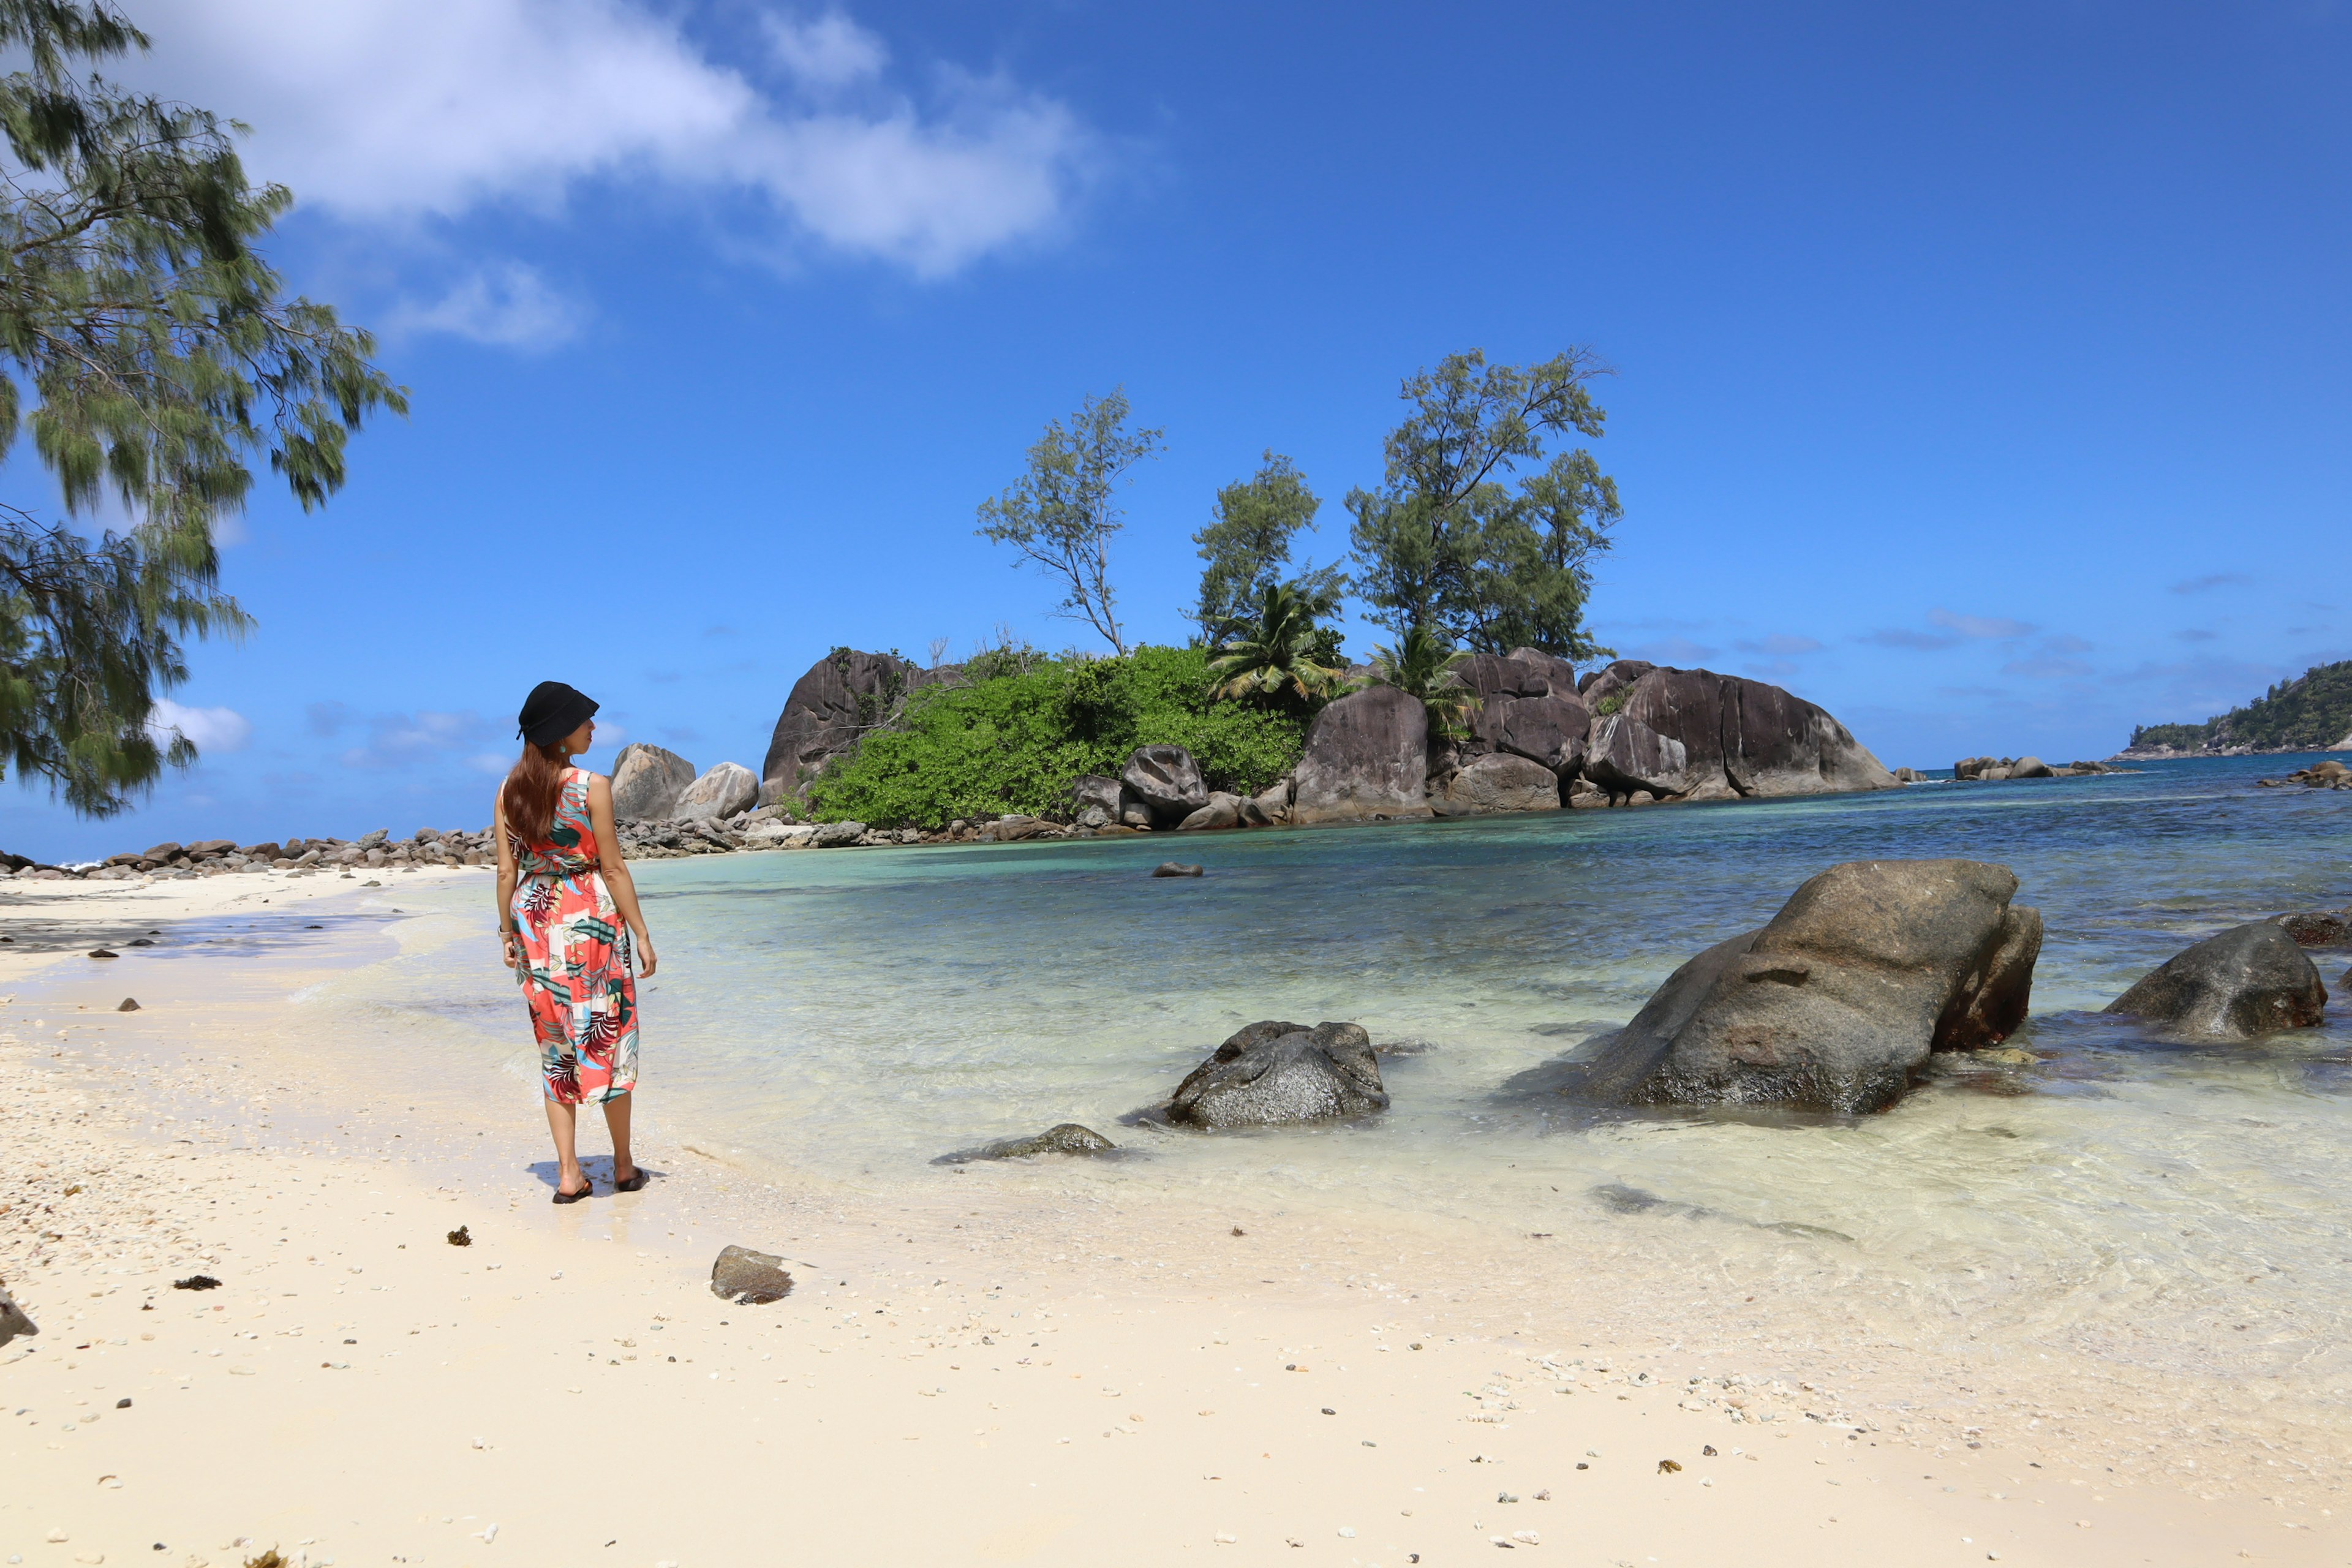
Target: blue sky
column 1979, row 368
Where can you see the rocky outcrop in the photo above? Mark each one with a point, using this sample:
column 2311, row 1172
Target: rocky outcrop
column 2329, row 774
column 748, row 1278
column 727, row 790
column 1367, row 756
column 1101, row 802
column 1167, row 781
column 1272, row 1072
column 1498, row 781
column 2251, row 980
column 648, row 781
column 1837, row 1002
column 1069, row 1138
column 1992, row 770
column 844, row 694
column 1223, row 810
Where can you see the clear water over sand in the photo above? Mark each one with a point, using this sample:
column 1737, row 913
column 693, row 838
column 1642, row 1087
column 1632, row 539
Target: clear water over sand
column 850, row 1014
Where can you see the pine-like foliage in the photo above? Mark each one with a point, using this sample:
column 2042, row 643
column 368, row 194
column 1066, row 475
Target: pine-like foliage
column 152, row 352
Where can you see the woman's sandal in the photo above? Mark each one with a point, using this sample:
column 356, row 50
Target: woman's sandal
column 564, row 1197
column 633, row 1184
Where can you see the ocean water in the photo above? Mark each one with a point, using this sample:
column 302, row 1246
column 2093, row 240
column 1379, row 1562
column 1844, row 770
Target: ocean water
column 848, row 1016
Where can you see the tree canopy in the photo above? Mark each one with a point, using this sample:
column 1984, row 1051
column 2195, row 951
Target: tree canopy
column 1449, row 545
column 160, row 354
column 1060, row 515
column 1247, row 547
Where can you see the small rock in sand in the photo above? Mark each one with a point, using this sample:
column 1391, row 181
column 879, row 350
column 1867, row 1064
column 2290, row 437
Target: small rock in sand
column 130, row 1004
column 461, row 1236
column 196, row 1282
column 748, row 1278
column 13, row 1321
column 103, row 952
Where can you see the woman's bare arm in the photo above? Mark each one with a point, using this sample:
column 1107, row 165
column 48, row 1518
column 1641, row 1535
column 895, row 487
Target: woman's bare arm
column 616, row 867
column 510, row 946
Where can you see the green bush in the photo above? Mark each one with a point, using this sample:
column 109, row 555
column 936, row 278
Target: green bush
column 1012, row 741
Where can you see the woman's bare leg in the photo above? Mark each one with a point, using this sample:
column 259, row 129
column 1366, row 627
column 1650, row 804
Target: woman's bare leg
column 617, row 1121
column 563, row 1121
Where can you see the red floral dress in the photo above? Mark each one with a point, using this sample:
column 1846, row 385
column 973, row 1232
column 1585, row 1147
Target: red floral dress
column 575, row 957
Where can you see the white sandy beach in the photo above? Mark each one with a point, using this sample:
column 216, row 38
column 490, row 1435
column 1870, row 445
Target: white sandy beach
column 1011, row 1369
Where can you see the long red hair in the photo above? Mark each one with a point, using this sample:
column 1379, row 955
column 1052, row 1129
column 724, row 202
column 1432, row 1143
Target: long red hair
column 527, row 798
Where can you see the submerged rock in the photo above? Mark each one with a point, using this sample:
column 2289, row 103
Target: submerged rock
column 1837, row 1002
column 13, row 1320
column 1274, row 1072
column 1176, row 868
column 1068, row 1138
column 2251, row 980
column 2317, row 928
column 748, row 1278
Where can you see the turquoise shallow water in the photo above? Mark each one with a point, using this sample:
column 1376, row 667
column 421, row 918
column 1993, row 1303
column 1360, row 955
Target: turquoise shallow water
column 852, row 1014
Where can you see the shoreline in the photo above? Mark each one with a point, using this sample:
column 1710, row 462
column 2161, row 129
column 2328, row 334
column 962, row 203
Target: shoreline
column 1146, row 1294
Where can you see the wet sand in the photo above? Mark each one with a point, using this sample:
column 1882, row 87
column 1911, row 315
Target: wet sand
column 1003, row 1365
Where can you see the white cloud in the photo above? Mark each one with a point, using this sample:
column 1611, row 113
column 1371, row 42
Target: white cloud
column 390, row 111
column 510, row 306
column 211, row 729
column 1997, row 627
column 832, row 51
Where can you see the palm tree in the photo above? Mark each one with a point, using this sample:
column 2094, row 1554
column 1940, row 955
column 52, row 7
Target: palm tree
column 1422, row 665
column 1274, row 651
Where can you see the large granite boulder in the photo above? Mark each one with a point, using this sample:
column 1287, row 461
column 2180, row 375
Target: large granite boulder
column 1837, row 1002
column 1625, row 755
column 1550, row 665
column 1274, row 1072
column 1737, row 737
column 717, row 794
column 648, row 781
column 2251, row 980
column 844, row 694
column 1598, row 686
column 1550, row 731
column 1496, row 783
column 1167, row 781
column 1224, row 810
column 1367, row 755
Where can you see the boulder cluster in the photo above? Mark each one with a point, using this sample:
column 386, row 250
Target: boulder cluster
column 301, row 857
column 1988, row 770
column 2329, row 774
column 1839, row 1004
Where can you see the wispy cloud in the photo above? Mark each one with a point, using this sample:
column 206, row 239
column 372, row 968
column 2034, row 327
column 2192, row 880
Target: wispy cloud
column 1906, row 639
column 210, row 729
column 2206, row 583
column 1780, row 645
column 408, row 740
column 2046, row 668
column 1983, row 627
column 2196, row 634
column 1673, row 651
column 508, row 305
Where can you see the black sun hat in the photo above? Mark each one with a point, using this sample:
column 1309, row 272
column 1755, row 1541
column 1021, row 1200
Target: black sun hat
column 551, row 711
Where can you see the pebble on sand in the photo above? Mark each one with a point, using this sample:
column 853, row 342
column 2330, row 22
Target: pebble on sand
column 130, row 1004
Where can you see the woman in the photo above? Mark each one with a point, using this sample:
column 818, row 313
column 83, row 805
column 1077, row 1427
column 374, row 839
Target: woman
column 563, row 891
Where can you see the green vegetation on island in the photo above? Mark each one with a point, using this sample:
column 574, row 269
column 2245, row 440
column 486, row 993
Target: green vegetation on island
column 2312, row 712
column 1011, row 742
